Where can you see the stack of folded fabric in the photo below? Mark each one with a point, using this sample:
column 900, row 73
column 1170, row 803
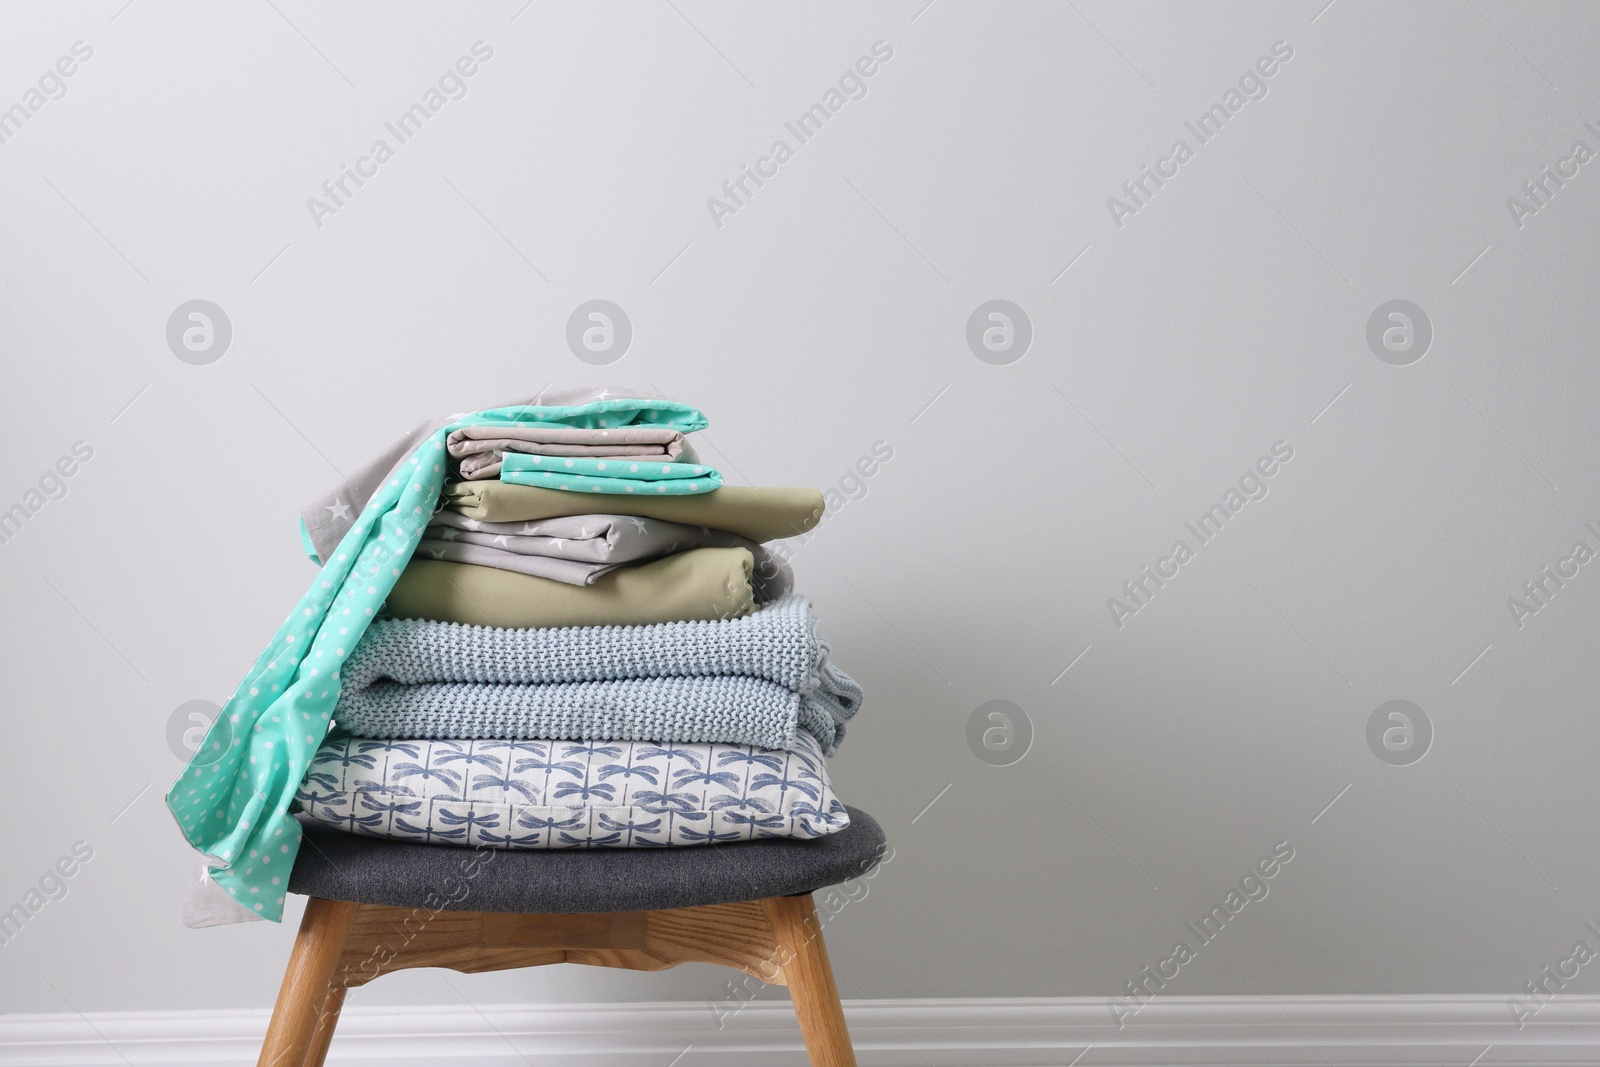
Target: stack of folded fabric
column 587, row 647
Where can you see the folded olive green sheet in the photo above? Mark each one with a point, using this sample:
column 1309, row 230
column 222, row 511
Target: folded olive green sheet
column 758, row 512
column 703, row 583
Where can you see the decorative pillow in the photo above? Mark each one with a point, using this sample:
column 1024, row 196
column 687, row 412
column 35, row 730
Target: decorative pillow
column 570, row 794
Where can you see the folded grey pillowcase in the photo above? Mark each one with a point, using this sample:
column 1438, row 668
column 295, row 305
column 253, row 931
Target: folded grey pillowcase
column 578, row 549
column 479, row 448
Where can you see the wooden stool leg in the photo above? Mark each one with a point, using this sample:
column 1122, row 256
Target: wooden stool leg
column 805, row 967
column 305, row 988
column 327, row 1019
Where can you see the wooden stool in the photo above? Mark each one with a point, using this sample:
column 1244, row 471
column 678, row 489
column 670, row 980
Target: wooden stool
column 378, row 906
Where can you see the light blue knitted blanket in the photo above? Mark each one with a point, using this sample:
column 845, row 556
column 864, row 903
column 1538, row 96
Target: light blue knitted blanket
column 755, row 680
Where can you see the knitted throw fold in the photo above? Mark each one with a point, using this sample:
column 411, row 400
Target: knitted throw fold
column 754, row 680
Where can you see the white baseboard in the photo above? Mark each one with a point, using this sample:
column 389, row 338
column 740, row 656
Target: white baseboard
column 1018, row 1032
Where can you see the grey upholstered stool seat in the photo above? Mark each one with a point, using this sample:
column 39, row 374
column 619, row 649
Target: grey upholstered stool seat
column 336, row 865
column 378, row 906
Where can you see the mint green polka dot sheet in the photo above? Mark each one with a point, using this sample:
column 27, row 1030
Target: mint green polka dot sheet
column 232, row 800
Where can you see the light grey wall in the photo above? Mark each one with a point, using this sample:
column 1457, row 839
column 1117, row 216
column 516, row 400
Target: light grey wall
column 1228, row 313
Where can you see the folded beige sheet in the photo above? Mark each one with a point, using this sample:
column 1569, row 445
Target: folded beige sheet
column 703, row 583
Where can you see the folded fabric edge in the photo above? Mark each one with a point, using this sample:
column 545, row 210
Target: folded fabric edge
column 205, row 903
column 821, row 823
column 465, row 497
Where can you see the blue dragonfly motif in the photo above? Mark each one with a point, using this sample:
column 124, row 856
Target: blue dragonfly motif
column 506, row 784
column 470, row 758
column 586, row 790
column 783, row 783
column 344, row 758
column 349, row 821
column 548, row 766
column 758, row 822
column 401, row 828
column 726, row 779
column 530, row 821
column 801, row 809
column 631, row 770
column 664, row 802
column 536, row 748
column 592, row 749
column 391, row 808
column 405, row 748
column 729, row 802
column 428, row 833
column 690, row 757
column 402, row 771
column 591, row 840
column 805, row 761
column 309, row 799
column 384, row 787
column 507, row 840
column 710, row 837
column 751, row 757
column 322, row 778
column 472, row 820
column 629, row 827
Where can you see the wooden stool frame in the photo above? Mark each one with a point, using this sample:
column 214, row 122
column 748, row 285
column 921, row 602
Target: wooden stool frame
column 341, row 944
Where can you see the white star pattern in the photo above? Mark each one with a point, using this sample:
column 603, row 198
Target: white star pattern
column 557, row 542
column 471, row 524
column 503, row 540
column 529, row 528
column 340, row 509
column 450, row 534
column 639, row 524
column 602, row 394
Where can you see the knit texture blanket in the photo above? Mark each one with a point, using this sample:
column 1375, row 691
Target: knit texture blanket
column 754, row 680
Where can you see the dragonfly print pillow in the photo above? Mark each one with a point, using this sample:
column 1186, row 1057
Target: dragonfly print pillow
column 570, row 794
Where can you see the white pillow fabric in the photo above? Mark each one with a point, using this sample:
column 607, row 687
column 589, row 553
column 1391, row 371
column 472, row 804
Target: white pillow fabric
column 570, row 794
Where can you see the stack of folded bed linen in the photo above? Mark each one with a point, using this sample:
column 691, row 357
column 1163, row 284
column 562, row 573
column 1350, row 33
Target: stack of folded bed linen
column 587, row 647
column 544, row 625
